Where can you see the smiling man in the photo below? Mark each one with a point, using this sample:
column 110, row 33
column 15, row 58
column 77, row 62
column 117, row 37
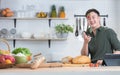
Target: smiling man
column 98, row 40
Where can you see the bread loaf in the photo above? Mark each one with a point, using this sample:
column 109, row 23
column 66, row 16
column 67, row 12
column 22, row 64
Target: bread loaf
column 81, row 60
column 67, row 60
column 38, row 60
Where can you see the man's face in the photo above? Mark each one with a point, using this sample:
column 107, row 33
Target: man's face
column 93, row 19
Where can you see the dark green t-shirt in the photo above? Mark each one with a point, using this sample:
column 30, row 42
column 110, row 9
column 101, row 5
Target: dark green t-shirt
column 105, row 41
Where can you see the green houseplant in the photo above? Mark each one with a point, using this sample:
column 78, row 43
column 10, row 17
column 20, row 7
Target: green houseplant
column 62, row 30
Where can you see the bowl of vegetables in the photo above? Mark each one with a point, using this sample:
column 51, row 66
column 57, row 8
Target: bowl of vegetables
column 22, row 55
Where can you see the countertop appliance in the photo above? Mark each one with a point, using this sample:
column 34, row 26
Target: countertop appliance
column 112, row 60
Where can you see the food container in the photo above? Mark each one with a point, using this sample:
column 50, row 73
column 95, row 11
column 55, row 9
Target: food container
column 37, row 35
column 40, row 35
column 26, row 35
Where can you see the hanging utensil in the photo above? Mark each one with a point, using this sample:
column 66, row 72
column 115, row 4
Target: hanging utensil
column 80, row 24
column 104, row 21
column 76, row 32
column 87, row 26
column 83, row 24
column 80, row 37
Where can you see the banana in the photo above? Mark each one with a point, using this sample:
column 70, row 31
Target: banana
column 41, row 15
column 4, row 52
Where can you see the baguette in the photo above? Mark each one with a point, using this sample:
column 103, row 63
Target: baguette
column 37, row 61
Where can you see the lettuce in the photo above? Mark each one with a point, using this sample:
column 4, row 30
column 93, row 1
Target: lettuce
column 24, row 51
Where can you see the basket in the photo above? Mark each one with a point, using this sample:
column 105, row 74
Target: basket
column 5, row 41
column 2, row 66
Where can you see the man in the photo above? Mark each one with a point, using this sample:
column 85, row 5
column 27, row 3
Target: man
column 98, row 40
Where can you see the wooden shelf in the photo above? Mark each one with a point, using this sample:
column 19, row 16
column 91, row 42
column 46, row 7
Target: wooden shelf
column 34, row 39
column 30, row 18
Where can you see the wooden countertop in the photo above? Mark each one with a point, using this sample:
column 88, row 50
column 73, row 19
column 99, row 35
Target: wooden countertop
column 112, row 70
column 62, row 69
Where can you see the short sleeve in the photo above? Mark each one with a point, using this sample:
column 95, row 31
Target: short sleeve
column 112, row 37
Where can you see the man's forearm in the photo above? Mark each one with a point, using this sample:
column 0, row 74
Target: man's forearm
column 84, row 50
column 116, row 52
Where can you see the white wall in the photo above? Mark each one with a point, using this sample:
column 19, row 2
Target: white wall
column 118, row 17
column 58, row 49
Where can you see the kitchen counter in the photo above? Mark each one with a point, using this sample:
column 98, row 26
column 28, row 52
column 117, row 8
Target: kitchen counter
column 63, row 71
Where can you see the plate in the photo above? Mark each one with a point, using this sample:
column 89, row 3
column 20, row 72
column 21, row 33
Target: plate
column 4, row 31
column 13, row 31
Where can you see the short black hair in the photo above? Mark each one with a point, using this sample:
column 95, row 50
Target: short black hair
column 92, row 10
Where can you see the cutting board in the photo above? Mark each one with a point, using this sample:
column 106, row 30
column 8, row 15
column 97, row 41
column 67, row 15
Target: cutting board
column 75, row 65
column 63, row 65
column 51, row 65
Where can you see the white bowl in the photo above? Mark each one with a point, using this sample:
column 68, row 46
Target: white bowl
column 26, row 35
column 37, row 36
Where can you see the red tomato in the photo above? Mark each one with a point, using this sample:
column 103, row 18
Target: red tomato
column 96, row 65
column 91, row 65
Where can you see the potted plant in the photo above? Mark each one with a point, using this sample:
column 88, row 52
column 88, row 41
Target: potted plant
column 62, row 30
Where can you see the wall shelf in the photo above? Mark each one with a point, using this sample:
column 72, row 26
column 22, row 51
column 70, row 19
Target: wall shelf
column 33, row 39
column 30, row 18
